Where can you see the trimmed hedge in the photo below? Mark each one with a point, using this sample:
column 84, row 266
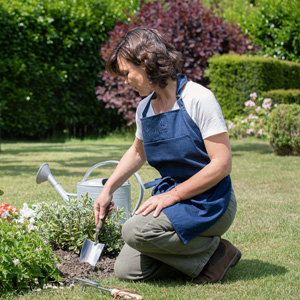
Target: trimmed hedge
column 49, row 66
column 234, row 77
column 283, row 96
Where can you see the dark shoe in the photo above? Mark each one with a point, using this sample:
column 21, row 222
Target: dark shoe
column 226, row 256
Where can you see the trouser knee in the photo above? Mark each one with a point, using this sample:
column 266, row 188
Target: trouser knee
column 132, row 232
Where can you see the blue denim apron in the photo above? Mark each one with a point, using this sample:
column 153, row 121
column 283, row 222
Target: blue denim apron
column 174, row 146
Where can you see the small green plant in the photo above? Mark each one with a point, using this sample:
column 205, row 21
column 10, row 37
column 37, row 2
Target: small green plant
column 284, row 129
column 67, row 226
column 254, row 119
column 26, row 261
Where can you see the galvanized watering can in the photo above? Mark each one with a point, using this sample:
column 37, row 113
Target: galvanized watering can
column 121, row 197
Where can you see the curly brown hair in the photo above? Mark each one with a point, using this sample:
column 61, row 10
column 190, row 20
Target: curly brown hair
column 147, row 46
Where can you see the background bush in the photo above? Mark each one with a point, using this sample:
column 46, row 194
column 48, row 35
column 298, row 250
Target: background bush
column 26, row 262
column 284, row 129
column 234, row 77
column 283, row 96
column 49, row 66
column 194, row 30
column 273, row 25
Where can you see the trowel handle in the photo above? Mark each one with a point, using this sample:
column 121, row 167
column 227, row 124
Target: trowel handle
column 100, row 224
column 125, row 295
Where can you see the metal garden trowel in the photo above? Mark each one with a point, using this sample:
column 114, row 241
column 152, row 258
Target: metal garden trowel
column 91, row 251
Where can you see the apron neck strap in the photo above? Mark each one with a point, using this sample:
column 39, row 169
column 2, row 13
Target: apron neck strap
column 181, row 81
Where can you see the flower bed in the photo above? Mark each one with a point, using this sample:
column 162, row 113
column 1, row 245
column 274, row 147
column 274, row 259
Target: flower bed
column 40, row 244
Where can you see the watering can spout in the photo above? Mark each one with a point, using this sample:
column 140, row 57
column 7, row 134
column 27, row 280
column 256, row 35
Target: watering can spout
column 44, row 174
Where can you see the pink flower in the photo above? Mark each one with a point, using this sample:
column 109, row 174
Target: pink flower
column 258, row 109
column 231, row 125
column 260, row 132
column 267, row 103
column 252, row 116
column 253, row 96
column 245, row 121
column 249, row 130
column 249, row 103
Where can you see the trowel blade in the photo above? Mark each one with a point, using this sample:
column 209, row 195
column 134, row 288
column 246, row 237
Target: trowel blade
column 91, row 252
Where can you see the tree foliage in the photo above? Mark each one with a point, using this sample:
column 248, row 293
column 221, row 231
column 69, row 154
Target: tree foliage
column 273, row 25
column 194, row 30
column 50, row 64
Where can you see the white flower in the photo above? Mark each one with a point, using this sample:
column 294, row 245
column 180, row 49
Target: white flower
column 5, row 215
column 27, row 212
column 21, row 220
column 31, row 227
column 16, row 261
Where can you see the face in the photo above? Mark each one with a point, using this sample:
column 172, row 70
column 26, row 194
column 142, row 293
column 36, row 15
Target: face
column 135, row 76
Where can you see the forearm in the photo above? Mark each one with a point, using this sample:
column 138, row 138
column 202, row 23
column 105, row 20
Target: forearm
column 220, row 165
column 208, row 177
column 131, row 161
column 197, row 184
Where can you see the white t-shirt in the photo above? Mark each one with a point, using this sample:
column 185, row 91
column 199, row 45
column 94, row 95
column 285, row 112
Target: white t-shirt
column 200, row 104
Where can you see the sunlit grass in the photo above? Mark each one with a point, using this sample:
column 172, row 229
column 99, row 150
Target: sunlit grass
column 266, row 228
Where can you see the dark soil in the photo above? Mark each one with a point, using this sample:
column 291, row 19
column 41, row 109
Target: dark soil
column 70, row 266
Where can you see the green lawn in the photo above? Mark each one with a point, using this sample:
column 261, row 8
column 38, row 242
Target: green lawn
column 266, row 228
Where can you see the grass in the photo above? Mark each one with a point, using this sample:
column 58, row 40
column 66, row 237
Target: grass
column 266, row 228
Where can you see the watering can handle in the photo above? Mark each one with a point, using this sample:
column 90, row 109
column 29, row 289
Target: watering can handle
column 137, row 177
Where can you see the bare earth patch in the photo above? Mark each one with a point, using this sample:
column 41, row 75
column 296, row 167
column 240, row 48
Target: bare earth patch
column 70, row 266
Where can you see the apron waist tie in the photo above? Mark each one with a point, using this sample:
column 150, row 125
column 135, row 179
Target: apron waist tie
column 161, row 185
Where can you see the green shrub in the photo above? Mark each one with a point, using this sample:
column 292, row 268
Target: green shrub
column 233, row 77
column 284, row 129
column 49, row 66
column 26, row 261
column 273, row 25
column 283, row 96
column 67, row 226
